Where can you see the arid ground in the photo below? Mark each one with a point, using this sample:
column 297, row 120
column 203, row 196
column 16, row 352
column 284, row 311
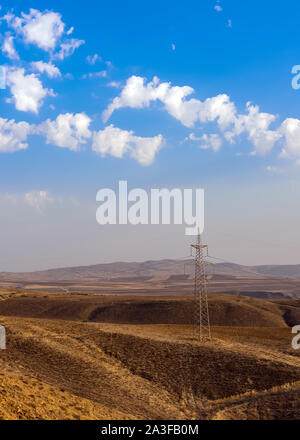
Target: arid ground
column 79, row 355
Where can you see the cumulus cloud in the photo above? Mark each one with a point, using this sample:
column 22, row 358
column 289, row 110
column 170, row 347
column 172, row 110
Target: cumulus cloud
column 290, row 130
column 256, row 125
column 48, row 68
column 72, row 130
column 27, row 91
column 13, row 135
column 38, row 199
column 116, row 142
column 137, row 94
column 8, row 48
column 47, row 31
column 67, row 130
column 43, row 29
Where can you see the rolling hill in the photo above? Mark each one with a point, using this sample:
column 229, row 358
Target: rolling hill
column 148, row 269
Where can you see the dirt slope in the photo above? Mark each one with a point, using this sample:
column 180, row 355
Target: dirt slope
column 278, row 403
column 65, row 355
column 224, row 309
column 26, row 398
column 140, row 375
column 131, row 357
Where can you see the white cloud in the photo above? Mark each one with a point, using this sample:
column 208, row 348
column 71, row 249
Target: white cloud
column 112, row 140
column 220, row 109
column 137, row 94
column 192, row 137
column 27, row 90
column 70, row 31
column 116, row 142
column 43, row 29
column 38, row 199
column 68, row 48
column 48, row 68
column 134, row 94
column 8, row 48
column 212, row 141
column 145, row 148
column 173, row 47
column 8, row 17
column 290, row 130
column 13, row 135
column 92, row 59
column 116, row 84
column 218, row 8
column 256, row 125
column 101, row 74
column 67, row 130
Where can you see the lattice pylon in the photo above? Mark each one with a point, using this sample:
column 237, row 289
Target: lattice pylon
column 202, row 330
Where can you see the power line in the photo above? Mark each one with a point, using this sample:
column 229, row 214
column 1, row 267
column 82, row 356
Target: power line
column 202, row 330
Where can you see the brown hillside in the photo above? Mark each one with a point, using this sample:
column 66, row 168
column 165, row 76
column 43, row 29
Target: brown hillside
column 224, row 309
column 124, row 356
column 146, row 371
column 26, row 398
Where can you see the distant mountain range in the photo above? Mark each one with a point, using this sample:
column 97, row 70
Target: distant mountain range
column 149, row 269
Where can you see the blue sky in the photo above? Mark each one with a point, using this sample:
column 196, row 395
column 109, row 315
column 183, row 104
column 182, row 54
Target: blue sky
column 66, row 64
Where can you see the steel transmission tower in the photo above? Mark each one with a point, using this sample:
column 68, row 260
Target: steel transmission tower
column 201, row 319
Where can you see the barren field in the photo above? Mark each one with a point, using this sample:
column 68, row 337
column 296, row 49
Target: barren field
column 84, row 356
